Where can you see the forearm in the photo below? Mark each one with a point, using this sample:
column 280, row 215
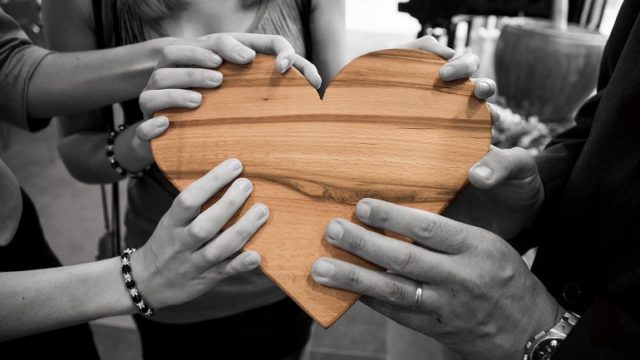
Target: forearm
column 67, row 83
column 41, row 300
column 84, row 156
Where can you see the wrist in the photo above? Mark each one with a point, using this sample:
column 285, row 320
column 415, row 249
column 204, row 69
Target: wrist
column 546, row 314
column 111, row 295
column 131, row 153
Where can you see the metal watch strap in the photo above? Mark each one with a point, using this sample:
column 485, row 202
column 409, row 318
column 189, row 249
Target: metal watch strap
column 558, row 333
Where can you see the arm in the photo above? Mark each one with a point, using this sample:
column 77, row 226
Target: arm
column 100, row 79
column 177, row 264
column 328, row 35
column 41, row 300
column 84, row 135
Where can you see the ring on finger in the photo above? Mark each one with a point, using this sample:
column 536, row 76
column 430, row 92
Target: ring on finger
column 418, row 299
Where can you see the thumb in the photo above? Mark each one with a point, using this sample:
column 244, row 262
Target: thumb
column 152, row 128
column 501, row 165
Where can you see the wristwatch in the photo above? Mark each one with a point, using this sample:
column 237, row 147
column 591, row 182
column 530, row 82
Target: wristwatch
column 545, row 344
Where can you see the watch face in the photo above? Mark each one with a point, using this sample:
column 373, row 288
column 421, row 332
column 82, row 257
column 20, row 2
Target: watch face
column 545, row 349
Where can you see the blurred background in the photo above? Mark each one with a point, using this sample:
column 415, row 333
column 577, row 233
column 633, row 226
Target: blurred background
column 544, row 55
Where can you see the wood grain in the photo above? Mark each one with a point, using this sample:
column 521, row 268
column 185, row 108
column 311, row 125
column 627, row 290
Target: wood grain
column 388, row 128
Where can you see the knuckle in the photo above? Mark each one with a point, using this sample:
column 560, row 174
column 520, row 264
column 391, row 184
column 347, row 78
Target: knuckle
column 430, row 40
column 352, row 277
column 192, row 74
column 159, row 79
column 168, row 53
column 231, row 201
column 406, row 261
column 213, row 258
column 279, row 39
column 357, row 243
column 397, row 293
column 424, row 230
column 223, row 39
column 197, row 231
column 243, row 232
column 187, row 202
column 472, row 62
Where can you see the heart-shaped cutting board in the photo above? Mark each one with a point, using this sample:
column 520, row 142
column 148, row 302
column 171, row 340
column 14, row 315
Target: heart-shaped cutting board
column 387, row 128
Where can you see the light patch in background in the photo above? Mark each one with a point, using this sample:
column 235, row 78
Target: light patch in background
column 375, row 25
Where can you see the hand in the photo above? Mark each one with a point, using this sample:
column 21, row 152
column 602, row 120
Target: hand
column 181, row 67
column 458, row 67
column 187, row 254
column 477, row 295
column 504, row 196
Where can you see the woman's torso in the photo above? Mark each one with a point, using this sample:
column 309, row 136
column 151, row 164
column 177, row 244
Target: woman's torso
column 151, row 196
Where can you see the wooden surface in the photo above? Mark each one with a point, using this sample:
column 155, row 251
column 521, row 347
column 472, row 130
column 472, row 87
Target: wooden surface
column 387, row 128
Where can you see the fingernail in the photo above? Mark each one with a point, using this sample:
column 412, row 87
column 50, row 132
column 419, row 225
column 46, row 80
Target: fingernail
column 483, row 87
column 214, row 60
column 195, row 98
column 245, row 185
column 483, row 171
column 251, row 260
column 284, row 64
column 244, row 53
column 214, row 77
column 446, row 72
column 334, row 232
column 450, row 53
column 363, row 211
column 234, row 164
column 261, row 211
column 162, row 122
column 323, row 269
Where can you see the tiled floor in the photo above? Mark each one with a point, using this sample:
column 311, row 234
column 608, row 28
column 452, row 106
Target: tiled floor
column 71, row 216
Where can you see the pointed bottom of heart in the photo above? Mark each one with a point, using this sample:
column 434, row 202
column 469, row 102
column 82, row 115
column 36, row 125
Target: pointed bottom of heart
column 293, row 238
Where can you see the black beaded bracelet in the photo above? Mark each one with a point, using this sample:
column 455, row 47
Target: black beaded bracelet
column 111, row 139
column 131, row 284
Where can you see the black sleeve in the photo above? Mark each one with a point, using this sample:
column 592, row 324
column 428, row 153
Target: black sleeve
column 555, row 165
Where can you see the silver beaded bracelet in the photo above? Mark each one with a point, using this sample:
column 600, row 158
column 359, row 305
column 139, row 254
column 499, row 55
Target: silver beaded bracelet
column 131, row 284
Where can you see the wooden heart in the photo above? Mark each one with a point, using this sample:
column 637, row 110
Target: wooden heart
column 387, row 128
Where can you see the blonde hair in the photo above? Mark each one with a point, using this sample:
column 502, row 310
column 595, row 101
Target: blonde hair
column 138, row 19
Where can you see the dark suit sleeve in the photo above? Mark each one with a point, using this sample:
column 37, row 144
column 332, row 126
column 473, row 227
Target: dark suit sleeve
column 555, row 165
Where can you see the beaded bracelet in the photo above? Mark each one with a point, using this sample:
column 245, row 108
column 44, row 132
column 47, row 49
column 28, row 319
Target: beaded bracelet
column 111, row 155
column 131, row 284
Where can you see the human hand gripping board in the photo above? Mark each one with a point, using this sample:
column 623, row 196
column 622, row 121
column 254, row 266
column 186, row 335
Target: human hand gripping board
column 388, row 128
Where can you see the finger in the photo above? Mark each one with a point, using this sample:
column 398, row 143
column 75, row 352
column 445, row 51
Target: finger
column 155, row 100
column 189, row 202
column 209, row 223
column 271, row 44
column 145, row 132
column 430, row 44
column 500, row 165
column 427, row 323
column 234, row 238
column 495, row 114
column 188, row 56
column 390, row 288
column 184, row 78
column 430, row 230
column 484, row 88
column 308, row 70
column 152, row 128
column 228, row 48
column 242, row 263
column 460, row 67
column 398, row 256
